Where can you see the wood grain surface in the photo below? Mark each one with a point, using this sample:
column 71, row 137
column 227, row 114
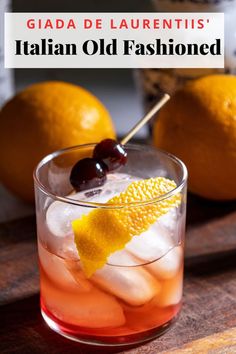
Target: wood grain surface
column 209, row 308
column 224, row 342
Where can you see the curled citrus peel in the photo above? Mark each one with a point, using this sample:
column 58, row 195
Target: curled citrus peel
column 104, row 231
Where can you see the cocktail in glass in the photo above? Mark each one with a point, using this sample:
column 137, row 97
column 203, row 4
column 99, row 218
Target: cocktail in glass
column 137, row 294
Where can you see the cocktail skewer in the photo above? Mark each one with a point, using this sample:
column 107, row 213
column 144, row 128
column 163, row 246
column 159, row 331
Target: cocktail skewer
column 146, row 118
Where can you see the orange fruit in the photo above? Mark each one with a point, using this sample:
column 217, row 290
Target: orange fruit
column 41, row 119
column 104, row 231
column 198, row 125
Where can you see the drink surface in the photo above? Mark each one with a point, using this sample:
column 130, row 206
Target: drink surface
column 138, row 290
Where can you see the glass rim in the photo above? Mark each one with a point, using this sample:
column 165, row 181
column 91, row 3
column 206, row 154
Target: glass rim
column 83, row 203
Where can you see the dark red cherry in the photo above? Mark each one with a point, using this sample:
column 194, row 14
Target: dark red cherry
column 88, row 173
column 111, row 153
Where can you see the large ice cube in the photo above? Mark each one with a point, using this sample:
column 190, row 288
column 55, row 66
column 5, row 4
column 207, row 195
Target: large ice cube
column 60, row 272
column 60, row 215
column 169, row 220
column 157, row 245
column 171, row 292
column 94, row 309
column 76, row 271
column 115, row 184
column 66, row 248
column 132, row 284
column 122, row 258
column 152, row 244
column 167, row 266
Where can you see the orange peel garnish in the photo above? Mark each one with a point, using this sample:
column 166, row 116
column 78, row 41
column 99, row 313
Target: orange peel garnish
column 106, row 230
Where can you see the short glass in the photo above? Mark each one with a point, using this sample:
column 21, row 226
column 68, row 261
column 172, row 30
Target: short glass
column 137, row 295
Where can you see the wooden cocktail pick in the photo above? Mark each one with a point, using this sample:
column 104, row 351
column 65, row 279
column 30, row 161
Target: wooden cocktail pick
column 146, row 118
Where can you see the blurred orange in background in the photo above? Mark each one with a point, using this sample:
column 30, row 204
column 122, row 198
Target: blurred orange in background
column 41, row 119
column 198, row 125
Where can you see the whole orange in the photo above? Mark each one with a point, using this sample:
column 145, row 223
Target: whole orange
column 198, row 125
column 43, row 118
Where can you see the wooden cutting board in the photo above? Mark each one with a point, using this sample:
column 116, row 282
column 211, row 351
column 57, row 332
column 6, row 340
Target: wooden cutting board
column 207, row 323
column 224, row 342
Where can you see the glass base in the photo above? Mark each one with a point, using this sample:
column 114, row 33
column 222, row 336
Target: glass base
column 108, row 341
